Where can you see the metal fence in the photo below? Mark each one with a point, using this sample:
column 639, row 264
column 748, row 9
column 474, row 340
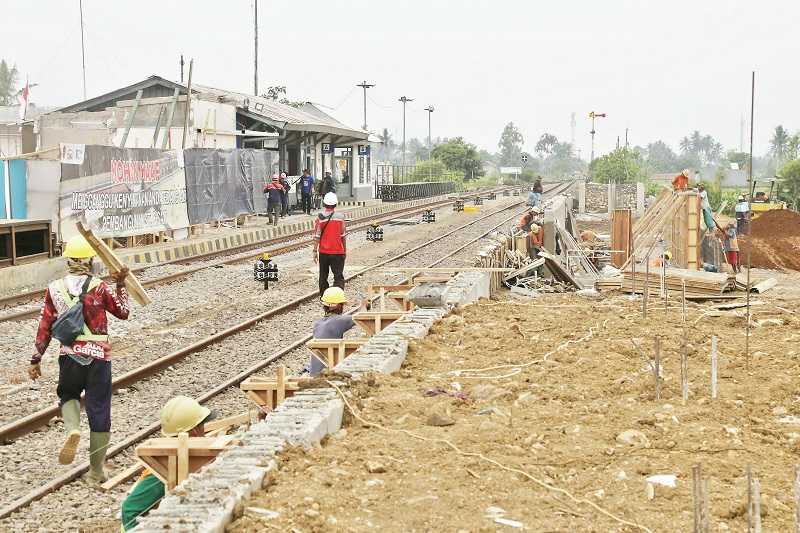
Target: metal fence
column 398, row 192
column 388, row 178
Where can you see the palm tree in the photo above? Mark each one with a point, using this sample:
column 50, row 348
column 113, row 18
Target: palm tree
column 779, row 143
column 685, row 145
column 387, row 146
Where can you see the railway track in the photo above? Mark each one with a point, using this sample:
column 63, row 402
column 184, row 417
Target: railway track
column 298, row 305
column 239, row 253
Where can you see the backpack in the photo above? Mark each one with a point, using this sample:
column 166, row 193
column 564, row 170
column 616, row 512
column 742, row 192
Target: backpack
column 70, row 324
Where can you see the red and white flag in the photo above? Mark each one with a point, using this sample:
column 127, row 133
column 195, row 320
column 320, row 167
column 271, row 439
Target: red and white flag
column 24, row 97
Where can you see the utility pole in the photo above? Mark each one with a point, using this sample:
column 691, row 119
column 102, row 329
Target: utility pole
column 593, row 115
column 182, row 63
column 83, row 50
column 405, row 100
column 626, row 137
column 364, row 85
column 255, row 47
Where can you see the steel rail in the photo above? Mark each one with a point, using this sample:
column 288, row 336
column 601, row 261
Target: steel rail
column 80, row 469
column 360, row 223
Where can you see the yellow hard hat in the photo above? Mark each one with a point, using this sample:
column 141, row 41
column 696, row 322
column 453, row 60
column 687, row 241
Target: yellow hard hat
column 182, row 414
column 79, row 248
column 333, row 296
column 668, row 255
column 265, row 256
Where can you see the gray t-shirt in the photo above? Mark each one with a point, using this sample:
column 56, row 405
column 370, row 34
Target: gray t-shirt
column 329, row 327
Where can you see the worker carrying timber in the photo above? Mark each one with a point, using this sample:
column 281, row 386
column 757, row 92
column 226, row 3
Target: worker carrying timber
column 730, row 244
column 334, row 324
column 179, row 415
column 74, row 313
column 330, row 244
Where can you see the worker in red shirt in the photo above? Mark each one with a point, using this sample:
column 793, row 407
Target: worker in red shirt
column 681, row 181
column 84, row 365
column 330, row 247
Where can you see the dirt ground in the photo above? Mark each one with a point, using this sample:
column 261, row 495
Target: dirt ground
column 561, row 419
column 774, row 240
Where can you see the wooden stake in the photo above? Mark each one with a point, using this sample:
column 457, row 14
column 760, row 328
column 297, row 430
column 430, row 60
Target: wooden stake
column 757, row 506
column 797, row 499
column 657, row 369
column 281, row 391
column 684, row 301
column 684, row 368
column 706, row 510
column 749, row 500
column 383, row 299
column 183, row 457
column 696, row 497
column 646, row 295
column 714, row 367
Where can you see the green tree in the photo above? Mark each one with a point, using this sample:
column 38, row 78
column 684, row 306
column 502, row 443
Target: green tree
column 278, row 94
column 8, row 84
column 700, row 149
column 790, row 173
column 779, row 144
column 793, row 147
column 461, row 156
column 545, row 145
column 387, row 145
column 562, row 163
column 660, row 158
column 511, row 141
column 623, row 165
column 740, row 158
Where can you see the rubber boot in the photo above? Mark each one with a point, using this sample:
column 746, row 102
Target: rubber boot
column 98, row 444
column 71, row 414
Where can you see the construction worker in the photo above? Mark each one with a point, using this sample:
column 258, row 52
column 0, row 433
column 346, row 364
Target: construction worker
column 334, row 324
column 330, row 245
column 181, row 414
column 730, row 244
column 742, row 210
column 306, row 188
column 327, row 185
column 84, row 360
column 537, row 191
column 708, row 215
column 274, row 194
column 681, row 181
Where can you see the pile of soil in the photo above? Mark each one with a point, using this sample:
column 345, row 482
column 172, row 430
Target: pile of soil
column 774, row 241
column 581, row 420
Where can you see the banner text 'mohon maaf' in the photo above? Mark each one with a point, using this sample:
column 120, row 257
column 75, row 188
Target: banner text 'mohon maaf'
column 135, row 171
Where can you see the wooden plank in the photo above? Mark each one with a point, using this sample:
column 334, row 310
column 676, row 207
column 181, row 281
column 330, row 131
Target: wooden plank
column 183, row 457
column 225, row 423
column 621, row 236
column 130, row 119
column 122, row 477
column 114, row 265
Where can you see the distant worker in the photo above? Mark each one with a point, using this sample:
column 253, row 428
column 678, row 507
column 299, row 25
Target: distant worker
column 306, row 189
column 330, row 245
column 181, row 414
column 588, row 236
column 84, row 361
column 327, row 185
column 742, row 214
column 708, row 215
column 285, row 188
column 272, row 191
column 537, row 191
column 730, row 243
column 535, row 232
column 681, row 181
column 663, row 260
column 334, row 324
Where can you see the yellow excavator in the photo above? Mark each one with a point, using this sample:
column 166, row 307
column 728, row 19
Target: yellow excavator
column 764, row 195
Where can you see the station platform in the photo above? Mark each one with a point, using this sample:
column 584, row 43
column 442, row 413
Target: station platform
column 211, row 239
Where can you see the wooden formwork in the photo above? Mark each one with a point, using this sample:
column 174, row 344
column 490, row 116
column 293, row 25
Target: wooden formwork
column 331, row 352
column 172, row 459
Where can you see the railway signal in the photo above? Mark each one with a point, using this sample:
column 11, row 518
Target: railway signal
column 375, row 233
column 265, row 270
column 458, row 206
column 429, row 215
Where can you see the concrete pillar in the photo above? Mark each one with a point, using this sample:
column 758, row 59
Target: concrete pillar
column 611, row 197
column 639, row 199
column 581, row 197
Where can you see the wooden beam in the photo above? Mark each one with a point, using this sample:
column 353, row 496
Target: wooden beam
column 130, row 119
column 170, row 118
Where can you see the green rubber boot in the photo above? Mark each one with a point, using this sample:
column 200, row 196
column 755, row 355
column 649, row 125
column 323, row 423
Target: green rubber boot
column 71, row 414
column 98, row 444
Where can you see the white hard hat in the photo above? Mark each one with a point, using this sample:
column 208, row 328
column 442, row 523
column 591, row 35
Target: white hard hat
column 330, row 199
column 534, row 228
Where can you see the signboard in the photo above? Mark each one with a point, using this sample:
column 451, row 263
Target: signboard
column 510, row 170
column 327, row 148
column 119, row 192
column 363, row 149
column 72, row 154
column 524, row 158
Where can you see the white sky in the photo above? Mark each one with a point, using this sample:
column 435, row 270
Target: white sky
column 660, row 68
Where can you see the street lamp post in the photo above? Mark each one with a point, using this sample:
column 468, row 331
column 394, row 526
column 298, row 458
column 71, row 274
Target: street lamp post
column 593, row 115
column 429, row 109
column 405, row 100
column 364, row 85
